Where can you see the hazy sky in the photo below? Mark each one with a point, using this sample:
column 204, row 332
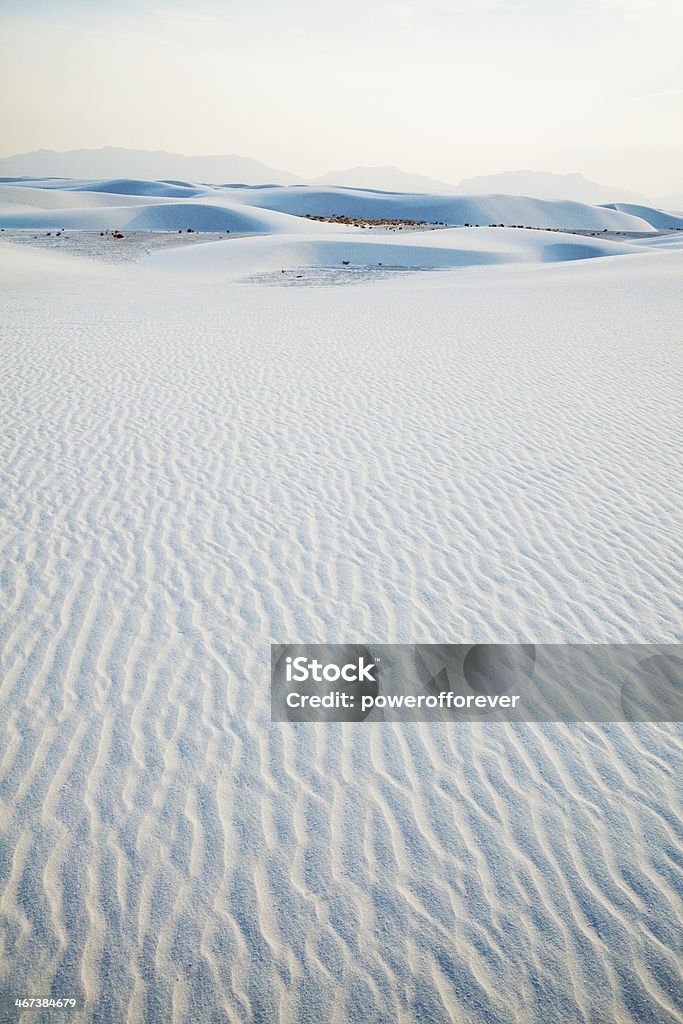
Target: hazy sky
column 448, row 88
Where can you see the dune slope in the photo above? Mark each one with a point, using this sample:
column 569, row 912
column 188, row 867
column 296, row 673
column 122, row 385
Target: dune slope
column 305, row 200
column 662, row 219
column 483, row 210
column 443, row 249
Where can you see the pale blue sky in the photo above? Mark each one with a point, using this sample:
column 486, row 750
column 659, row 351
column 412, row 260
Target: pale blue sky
column 448, row 88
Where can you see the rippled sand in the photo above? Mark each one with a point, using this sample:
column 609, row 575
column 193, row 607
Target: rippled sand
column 192, row 470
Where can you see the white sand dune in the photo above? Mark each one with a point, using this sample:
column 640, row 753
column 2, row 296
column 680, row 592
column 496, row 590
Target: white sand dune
column 483, row 210
column 152, row 216
column 194, row 467
column 138, row 187
column 664, row 220
column 420, row 250
column 13, row 197
column 330, row 201
column 114, row 186
column 670, row 240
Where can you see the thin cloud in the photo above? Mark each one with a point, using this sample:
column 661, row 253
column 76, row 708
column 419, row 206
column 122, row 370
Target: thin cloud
column 664, row 96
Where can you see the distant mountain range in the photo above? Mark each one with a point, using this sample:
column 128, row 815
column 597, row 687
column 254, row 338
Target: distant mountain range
column 386, row 179
column 669, row 202
column 116, row 162
column 544, row 185
column 540, row 184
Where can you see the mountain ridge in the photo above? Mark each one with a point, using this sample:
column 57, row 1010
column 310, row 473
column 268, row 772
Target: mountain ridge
column 120, row 162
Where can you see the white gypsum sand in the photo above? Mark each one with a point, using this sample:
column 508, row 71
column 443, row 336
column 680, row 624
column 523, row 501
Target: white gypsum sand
column 193, row 467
